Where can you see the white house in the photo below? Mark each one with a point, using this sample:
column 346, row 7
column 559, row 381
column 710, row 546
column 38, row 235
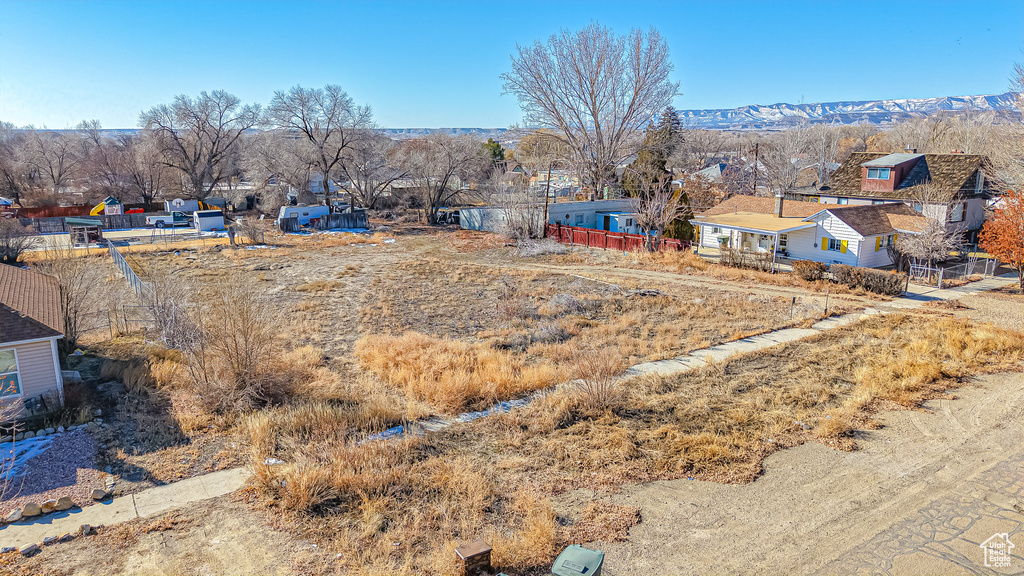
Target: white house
column 610, row 215
column 30, row 325
column 829, row 233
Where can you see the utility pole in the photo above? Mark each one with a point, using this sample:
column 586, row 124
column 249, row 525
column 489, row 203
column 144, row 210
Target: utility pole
column 756, row 162
column 547, row 193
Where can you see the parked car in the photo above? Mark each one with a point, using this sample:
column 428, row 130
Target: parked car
column 172, row 219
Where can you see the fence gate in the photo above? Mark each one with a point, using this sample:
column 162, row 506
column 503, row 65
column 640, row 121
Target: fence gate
column 920, row 274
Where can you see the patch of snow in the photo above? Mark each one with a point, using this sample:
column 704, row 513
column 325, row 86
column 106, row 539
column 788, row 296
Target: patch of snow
column 16, row 454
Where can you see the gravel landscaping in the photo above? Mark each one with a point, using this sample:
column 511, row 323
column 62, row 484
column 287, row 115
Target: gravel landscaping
column 65, row 468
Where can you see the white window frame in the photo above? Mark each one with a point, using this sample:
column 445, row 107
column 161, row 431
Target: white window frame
column 716, row 230
column 878, row 173
column 835, row 245
column 783, row 240
column 17, row 374
column 842, row 201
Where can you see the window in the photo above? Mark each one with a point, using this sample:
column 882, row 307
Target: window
column 833, row 245
column 842, row 200
column 629, row 222
column 10, row 381
column 878, row 173
column 716, row 230
column 877, row 202
column 957, row 212
column 579, row 219
column 813, row 199
column 918, row 206
column 783, row 241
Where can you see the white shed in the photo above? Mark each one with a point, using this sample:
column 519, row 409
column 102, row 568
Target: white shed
column 206, row 220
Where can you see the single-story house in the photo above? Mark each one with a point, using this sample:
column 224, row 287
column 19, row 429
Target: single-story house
column 610, row 215
column 922, row 181
column 30, row 325
column 829, row 233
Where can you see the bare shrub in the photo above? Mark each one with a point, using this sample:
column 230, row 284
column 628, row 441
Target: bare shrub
column 597, row 373
column 529, row 248
column 14, row 240
column 877, row 281
column 511, row 302
column 253, row 230
column 77, row 281
column 134, row 374
column 809, row 270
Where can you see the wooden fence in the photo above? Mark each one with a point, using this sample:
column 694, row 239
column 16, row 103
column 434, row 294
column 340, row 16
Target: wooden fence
column 610, row 240
column 354, row 219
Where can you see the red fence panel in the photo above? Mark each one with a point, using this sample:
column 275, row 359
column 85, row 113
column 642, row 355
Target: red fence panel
column 609, row 240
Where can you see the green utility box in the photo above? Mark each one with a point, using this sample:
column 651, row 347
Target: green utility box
column 578, row 561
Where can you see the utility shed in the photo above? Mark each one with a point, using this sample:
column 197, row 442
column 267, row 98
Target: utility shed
column 84, row 231
column 206, row 220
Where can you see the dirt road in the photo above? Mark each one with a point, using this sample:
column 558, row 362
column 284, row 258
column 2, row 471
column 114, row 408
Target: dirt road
column 919, row 497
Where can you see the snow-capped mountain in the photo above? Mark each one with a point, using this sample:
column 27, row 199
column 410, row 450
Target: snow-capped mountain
column 777, row 116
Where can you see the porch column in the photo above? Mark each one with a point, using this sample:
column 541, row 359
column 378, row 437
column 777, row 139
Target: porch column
column 775, row 251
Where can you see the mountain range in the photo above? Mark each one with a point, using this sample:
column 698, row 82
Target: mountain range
column 878, row 112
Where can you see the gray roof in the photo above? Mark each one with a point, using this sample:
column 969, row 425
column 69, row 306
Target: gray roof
column 891, row 160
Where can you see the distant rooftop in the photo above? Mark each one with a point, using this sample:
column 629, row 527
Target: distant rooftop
column 890, row 160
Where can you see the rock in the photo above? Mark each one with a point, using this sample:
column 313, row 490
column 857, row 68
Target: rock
column 49, row 506
column 31, row 509
column 14, row 516
column 6, row 439
column 273, row 461
column 8, row 550
column 99, row 494
column 40, row 433
column 19, row 436
column 71, row 376
column 50, row 430
column 29, row 549
column 86, row 529
column 50, row 540
column 64, row 503
column 98, row 421
column 67, row 536
column 99, row 412
column 29, row 435
column 60, row 429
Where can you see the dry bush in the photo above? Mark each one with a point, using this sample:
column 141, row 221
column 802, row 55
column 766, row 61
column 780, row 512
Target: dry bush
column 531, row 248
column 596, row 373
column 254, row 230
column 810, row 270
column 339, row 239
column 451, row 375
column 134, row 374
column 15, row 240
column 319, row 286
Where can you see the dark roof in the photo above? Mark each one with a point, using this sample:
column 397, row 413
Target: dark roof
column 945, row 171
column 29, row 305
column 763, row 205
column 878, row 219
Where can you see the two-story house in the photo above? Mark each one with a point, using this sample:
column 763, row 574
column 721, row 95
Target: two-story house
column 951, row 188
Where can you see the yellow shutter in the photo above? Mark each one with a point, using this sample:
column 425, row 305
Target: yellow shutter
column 894, row 236
column 878, row 243
column 842, row 246
column 824, row 243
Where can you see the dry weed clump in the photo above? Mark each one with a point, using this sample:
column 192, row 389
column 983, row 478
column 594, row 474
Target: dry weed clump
column 451, row 375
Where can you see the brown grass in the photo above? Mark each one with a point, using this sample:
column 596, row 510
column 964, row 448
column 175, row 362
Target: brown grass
column 451, row 375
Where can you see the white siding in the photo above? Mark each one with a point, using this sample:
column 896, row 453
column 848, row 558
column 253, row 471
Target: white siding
column 35, row 365
column 800, row 244
column 831, row 227
column 871, row 259
column 568, row 212
column 709, row 239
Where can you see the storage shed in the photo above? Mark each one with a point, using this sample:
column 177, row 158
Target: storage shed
column 84, row 231
column 206, row 220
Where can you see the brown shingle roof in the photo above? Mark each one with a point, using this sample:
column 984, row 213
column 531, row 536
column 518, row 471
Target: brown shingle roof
column 875, row 220
column 29, row 305
column 944, row 171
column 762, row 205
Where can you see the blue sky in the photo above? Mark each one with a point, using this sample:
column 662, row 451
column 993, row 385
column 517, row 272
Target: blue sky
column 437, row 64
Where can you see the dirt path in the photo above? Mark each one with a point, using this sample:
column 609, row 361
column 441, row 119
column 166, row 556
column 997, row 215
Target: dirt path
column 919, row 496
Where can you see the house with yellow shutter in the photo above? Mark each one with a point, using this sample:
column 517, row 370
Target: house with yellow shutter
column 791, row 230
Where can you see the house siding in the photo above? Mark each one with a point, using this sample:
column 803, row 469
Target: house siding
column 35, row 365
column 831, row 227
column 871, row 259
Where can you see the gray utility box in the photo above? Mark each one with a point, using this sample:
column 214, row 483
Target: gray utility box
column 578, row 561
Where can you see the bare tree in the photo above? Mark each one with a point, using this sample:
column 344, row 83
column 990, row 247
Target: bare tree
column 654, row 202
column 326, row 119
column 15, row 239
column 54, row 157
column 782, row 158
column 823, row 146
column 597, row 88
column 698, row 149
column 77, row 279
column 275, row 160
column 369, row 168
column 442, row 167
column 199, row 135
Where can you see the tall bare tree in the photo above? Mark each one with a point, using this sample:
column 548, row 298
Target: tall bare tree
column 55, row 157
column 326, row 119
column 598, row 88
column 199, row 135
column 442, row 166
column 369, row 168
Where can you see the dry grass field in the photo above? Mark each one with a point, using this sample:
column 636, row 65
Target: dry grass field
column 313, row 343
